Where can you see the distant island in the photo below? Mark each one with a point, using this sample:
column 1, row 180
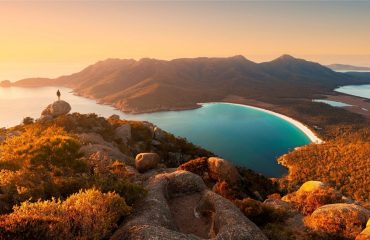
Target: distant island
column 344, row 67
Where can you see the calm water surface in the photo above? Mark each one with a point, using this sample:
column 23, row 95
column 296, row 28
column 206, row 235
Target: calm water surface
column 355, row 90
column 246, row 136
column 332, row 103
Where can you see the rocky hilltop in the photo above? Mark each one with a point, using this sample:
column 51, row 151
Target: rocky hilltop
column 74, row 176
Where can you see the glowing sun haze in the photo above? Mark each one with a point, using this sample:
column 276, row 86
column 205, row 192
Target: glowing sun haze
column 54, row 38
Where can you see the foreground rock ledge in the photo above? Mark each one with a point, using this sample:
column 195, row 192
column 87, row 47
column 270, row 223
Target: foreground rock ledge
column 213, row 217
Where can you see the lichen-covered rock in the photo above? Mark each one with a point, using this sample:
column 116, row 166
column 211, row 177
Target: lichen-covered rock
column 279, row 204
column 154, row 219
column 229, row 222
column 159, row 134
column 340, row 218
column 310, row 186
column 56, row 109
column 123, row 132
column 181, row 182
column 222, row 170
column 95, row 138
column 146, row 161
column 112, row 152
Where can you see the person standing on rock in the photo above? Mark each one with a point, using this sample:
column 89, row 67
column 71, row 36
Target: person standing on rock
column 58, row 94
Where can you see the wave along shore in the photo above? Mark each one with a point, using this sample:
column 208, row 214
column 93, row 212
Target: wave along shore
column 311, row 135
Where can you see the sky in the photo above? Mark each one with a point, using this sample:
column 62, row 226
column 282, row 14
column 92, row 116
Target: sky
column 53, row 38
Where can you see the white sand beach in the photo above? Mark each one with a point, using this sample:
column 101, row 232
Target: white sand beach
column 311, row 135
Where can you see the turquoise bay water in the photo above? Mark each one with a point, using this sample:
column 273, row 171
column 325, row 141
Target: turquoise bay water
column 248, row 137
column 332, row 103
column 355, row 90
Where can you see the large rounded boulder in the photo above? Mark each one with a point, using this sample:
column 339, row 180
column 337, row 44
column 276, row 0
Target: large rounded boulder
column 146, row 161
column 56, row 109
column 344, row 219
column 222, row 170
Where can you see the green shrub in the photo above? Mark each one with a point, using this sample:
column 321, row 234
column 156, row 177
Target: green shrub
column 277, row 231
column 132, row 192
column 259, row 213
column 27, row 120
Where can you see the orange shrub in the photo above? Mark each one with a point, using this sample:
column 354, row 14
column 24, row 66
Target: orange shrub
column 260, row 213
column 307, row 202
column 88, row 214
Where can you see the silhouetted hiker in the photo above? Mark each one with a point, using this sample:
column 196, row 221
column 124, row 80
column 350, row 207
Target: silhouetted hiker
column 58, row 94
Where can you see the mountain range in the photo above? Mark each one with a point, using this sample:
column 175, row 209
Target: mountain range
column 148, row 85
column 345, row 67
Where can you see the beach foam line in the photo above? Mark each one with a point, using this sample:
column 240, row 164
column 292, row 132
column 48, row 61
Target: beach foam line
column 311, row 135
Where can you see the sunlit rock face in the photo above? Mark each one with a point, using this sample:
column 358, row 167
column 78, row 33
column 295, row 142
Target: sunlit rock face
column 340, row 218
column 310, row 186
column 56, row 109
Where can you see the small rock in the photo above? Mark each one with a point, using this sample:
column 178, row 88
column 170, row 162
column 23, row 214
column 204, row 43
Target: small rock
column 114, row 117
column 159, row 134
column 155, row 142
column 146, row 161
column 310, row 186
column 279, row 204
column 222, row 170
column 92, row 138
column 123, row 132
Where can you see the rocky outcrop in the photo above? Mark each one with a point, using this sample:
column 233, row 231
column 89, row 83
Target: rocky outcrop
column 94, row 143
column 340, row 218
column 157, row 217
column 310, row 186
column 222, row 170
column 146, row 161
column 159, row 134
column 123, row 132
column 279, row 205
column 56, row 109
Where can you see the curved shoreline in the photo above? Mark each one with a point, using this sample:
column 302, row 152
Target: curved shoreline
column 311, row 135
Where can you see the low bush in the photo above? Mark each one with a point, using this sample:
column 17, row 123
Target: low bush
column 260, row 213
column 307, row 202
column 88, row 214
